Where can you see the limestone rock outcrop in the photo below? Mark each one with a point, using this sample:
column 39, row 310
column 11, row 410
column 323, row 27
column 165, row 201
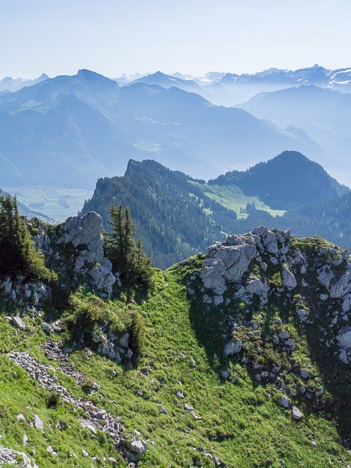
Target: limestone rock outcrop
column 77, row 246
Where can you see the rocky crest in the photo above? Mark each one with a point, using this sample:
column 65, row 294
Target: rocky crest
column 229, row 263
column 74, row 249
column 264, row 285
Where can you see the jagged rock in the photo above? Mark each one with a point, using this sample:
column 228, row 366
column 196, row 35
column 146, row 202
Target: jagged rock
column 344, row 338
column 226, row 262
column 103, row 276
column 241, row 292
column 305, row 374
column 84, row 234
column 188, row 407
column 296, row 413
column 289, row 344
column 284, row 402
column 233, row 347
column 20, row 418
column 288, row 278
column 18, row 322
column 325, row 275
column 299, row 258
column 217, row 300
column 52, row 451
column 137, row 447
column 268, row 239
column 47, row 328
column 38, row 423
column 207, row 299
column 124, row 340
column 217, row 283
column 303, row 314
column 283, row 335
column 12, row 457
column 346, row 305
column 341, row 287
column 256, row 286
column 85, row 230
column 344, row 355
column 88, row 425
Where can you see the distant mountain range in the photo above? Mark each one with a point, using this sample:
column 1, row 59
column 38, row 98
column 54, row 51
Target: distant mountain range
column 74, row 129
column 230, row 89
column 14, row 84
column 324, row 114
column 167, row 81
column 176, row 215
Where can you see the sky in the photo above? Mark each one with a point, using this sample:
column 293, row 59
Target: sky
column 114, row 37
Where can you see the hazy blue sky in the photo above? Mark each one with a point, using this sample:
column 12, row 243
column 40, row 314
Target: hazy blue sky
column 194, row 36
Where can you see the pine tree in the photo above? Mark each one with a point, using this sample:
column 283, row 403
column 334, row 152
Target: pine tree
column 18, row 255
column 115, row 244
column 127, row 258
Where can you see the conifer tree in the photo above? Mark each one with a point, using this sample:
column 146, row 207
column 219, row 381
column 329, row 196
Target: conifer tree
column 18, row 255
column 127, row 258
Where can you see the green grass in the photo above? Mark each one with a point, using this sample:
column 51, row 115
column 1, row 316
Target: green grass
column 241, row 423
column 231, row 197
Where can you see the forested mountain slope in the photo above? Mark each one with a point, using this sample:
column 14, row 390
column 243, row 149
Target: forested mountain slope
column 177, row 216
column 286, row 181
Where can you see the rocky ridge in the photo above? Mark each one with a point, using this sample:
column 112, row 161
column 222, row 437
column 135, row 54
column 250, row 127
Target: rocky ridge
column 74, row 250
column 261, row 285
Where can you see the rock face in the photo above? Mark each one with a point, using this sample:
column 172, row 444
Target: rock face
column 229, row 261
column 264, row 265
column 288, row 278
column 226, row 262
column 116, row 348
column 77, row 245
column 233, row 347
column 341, row 287
column 296, row 413
column 12, row 457
column 19, row 291
column 74, row 250
column 85, row 230
column 256, row 286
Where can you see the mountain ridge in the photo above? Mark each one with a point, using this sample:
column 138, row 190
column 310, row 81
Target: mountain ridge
column 177, row 128
column 177, row 215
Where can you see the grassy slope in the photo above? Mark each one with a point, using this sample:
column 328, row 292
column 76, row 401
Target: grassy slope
column 231, row 197
column 241, row 423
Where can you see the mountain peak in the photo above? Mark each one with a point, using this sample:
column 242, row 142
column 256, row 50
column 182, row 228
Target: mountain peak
column 89, row 73
column 286, row 181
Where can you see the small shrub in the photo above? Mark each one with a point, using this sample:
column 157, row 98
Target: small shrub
column 53, row 400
